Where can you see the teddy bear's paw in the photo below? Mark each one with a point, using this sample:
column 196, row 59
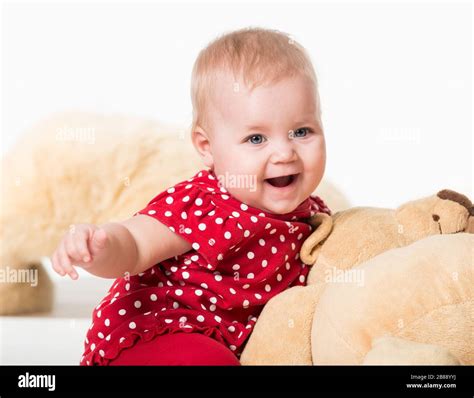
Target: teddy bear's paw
column 389, row 350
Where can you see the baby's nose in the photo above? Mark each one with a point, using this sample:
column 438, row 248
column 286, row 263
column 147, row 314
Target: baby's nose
column 284, row 152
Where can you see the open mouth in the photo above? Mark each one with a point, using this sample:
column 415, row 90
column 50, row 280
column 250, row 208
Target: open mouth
column 283, row 181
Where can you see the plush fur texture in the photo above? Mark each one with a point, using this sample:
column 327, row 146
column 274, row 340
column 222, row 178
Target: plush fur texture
column 378, row 275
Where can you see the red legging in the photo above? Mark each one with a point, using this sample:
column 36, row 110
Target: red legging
column 177, row 349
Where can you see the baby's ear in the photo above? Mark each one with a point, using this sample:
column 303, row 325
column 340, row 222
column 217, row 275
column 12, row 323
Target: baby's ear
column 202, row 144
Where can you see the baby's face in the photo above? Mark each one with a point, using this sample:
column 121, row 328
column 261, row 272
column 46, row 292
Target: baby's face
column 267, row 146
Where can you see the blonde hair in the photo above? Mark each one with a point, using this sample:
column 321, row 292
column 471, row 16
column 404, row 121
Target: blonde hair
column 260, row 56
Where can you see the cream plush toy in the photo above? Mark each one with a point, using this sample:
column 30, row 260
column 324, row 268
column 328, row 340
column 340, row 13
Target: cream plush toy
column 387, row 287
column 82, row 167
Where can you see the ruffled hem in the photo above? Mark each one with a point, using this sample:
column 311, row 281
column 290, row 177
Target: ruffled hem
column 95, row 359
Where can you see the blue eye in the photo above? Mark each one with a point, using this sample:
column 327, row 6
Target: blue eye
column 256, row 139
column 302, row 132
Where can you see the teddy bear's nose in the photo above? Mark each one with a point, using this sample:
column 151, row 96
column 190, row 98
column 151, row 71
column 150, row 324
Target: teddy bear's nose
column 435, row 217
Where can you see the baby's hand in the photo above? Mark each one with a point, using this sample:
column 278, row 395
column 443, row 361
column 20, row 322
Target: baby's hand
column 79, row 247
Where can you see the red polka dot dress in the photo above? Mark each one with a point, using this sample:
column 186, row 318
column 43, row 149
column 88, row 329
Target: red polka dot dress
column 240, row 258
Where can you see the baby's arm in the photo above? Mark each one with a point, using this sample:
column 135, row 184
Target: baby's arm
column 114, row 249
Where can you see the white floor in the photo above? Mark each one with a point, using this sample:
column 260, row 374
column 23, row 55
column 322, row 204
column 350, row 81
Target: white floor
column 56, row 338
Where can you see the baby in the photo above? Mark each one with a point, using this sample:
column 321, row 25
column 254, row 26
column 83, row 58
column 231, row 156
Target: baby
column 196, row 266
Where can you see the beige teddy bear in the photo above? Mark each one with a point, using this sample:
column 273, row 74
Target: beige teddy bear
column 387, row 287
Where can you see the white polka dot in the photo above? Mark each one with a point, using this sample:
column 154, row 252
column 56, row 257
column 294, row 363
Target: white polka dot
column 198, row 292
column 99, row 314
column 185, row 275
column 273, row 231
column 204, row 285
column 188, row 230
column 246, row 233
column 227, row 235
column 198, row 202
column 174, row 268
column 232, row 291
column 287, row 266
column 175, row 305
column 250, row 276
column 200, row 318
column 293, row 246
column 195, row 246
column 168, row 213
column 225, row 197
column 102, row 353
column 169, row 200
column 246, row 303
column 122, row 312
column 127, row 286
column 137, row 304
column 212, row 307
column 132, row 325
column 232, row 347
column 213, row 300
column 261, row 242
column 101, row 335
column 236, row 214
column 279, row 277
column 250, row 255
column 246, row 286
column 184, row 216
column 108, row 337
column 211, row 242
column 92, row 347
column 282, row 238
column 268, row 288
column 220, row 256
column 107, row 322
column 211, row 213
column 264, row 263
column 268, row 226
column 231, row 328
column 274, row 249
column 168, row 320
column 188, row 186
column 186, row 198
column 171, row 229
column 178, row 292
column 218, row 278
column 195, row 258
column 151, row 212
column 302, row 278
column 219, row 220
column 183, row 319
column 300, row 236
column 254, row 219
column 217, row 318
column 153, row 297
column 170, row 190
column 236, row 267
column 244, row 207
column 259, row 296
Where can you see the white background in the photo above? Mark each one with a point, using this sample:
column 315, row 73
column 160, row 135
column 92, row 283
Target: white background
column 396, row 79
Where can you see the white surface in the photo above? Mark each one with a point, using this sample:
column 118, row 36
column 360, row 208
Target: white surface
column 396, row 79
column 56, row 338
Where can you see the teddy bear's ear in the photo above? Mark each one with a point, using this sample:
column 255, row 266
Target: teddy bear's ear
column 323, row 224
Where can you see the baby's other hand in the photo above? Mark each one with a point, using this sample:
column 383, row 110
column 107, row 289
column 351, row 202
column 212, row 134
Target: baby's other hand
column 78, row 248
